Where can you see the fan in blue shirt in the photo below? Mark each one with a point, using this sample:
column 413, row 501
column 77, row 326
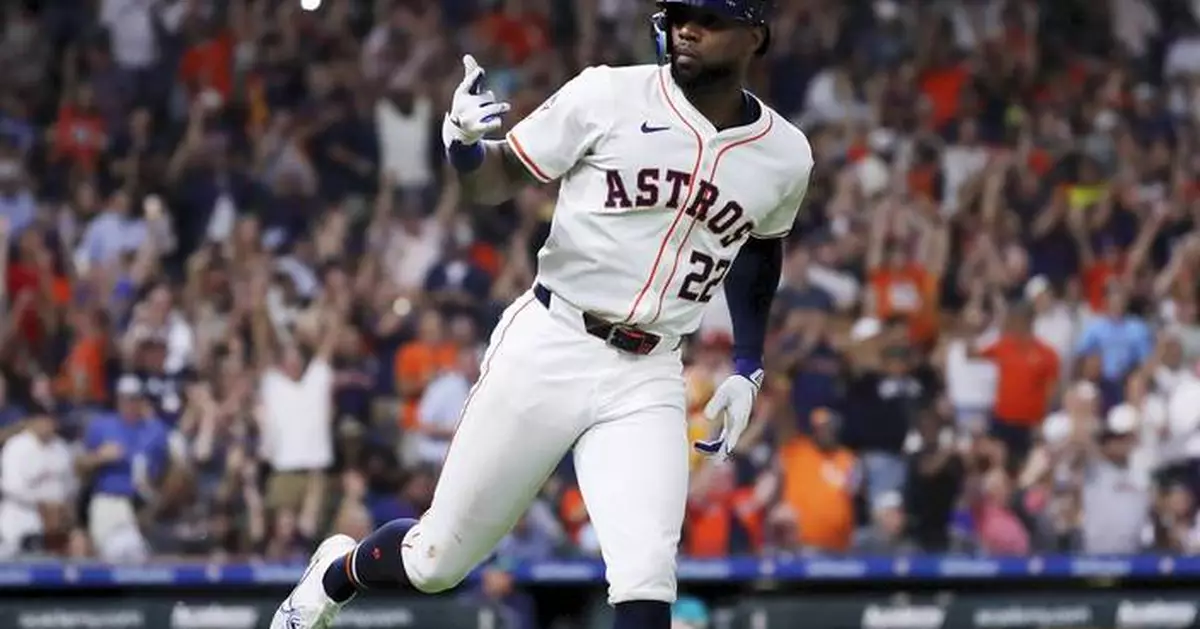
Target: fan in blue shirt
column 123, row 443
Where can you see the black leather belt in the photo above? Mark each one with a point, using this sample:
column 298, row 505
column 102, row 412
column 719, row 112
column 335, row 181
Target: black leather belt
column 623, row 337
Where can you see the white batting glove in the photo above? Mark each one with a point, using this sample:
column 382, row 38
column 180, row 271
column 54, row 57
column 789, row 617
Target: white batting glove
column 732, row 403
column 474, row 112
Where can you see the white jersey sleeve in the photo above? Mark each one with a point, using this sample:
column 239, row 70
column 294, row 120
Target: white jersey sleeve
column 779, row 222
column 552, row 139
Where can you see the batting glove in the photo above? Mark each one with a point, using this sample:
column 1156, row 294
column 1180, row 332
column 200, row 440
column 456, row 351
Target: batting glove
column 474, row 112
column 732, row 403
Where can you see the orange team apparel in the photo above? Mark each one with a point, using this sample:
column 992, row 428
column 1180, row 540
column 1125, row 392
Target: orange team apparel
column 209, row 65
column 418, row 362
column 25, row 277
column 83, row 370
column 1026, row 372
column 909, row 291
column 520, row 36
column 79, row 136
column 819, row 486
column 1096, row 278
column 943, row 87
column 572, row 512
column 709, row 524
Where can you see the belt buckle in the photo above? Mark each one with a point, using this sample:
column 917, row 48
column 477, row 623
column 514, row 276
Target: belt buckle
column 630, row 339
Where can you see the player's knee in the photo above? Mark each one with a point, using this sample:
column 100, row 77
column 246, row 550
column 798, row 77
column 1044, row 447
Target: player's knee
column 648, row 576
column 436, row 582
column 433, row 573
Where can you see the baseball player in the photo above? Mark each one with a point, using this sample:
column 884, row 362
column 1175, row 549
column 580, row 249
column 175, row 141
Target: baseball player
column 672, row 180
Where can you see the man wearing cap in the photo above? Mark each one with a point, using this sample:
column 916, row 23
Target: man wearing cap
column 1116, row 494
column 881, row 405
column 124, row 451
column 162, row 388
column 36, row 481
column 886, row 533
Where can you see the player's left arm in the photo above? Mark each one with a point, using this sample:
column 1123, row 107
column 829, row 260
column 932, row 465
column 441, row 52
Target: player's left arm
column 750, row 287
column 749, row 290
column 754, row 277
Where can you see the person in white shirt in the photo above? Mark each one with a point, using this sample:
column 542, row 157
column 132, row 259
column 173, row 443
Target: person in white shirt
column 441, row 405
column 37, row 483
column 404, row 120
column 1054, row 323
column 1183, row 415
column 1169, row 369
column 130, row 24
column 296, row 419
column 1134, row 24
column 825, row 272
column 960, row 162
column 1117, row 492
column 1079, row 415
column 1148, row 417
column 970, row 382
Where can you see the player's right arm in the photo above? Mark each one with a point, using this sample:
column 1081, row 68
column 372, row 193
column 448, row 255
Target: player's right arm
column 541, row 148
column 497, row 177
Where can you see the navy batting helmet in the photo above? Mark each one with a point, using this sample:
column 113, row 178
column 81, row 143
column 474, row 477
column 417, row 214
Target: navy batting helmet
column 752, row 12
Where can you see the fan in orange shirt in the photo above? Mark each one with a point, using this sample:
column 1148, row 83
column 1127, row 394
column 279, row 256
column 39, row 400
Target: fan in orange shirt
column 1027, row 375
column 520, row 33
column 902, row 285
column 208, row 64
column 82, row 379
column 1101, row 266
column 819, row 480
column 418, row 361
column 79, row 134
column 572, row 512
column 722, row 518
column 943, row 85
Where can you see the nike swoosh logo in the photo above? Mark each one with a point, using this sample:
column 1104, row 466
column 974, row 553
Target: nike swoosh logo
column 646, row 128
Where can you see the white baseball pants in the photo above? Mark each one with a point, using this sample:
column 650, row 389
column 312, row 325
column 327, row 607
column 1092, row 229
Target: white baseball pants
column 547, row 386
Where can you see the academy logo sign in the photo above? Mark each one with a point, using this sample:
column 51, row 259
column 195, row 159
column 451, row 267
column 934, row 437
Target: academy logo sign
column 1015, row 616
column 903, row 617
column 214, row 617
column 1156, row 614
column 82, row 618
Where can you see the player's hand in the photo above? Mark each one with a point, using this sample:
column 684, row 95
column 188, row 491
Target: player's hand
column 474, row 111
column 731, row 403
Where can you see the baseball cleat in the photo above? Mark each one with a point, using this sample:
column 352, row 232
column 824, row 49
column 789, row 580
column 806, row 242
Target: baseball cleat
column 308, row 607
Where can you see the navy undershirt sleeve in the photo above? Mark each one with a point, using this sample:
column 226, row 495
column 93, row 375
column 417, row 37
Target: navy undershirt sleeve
column 750, row 288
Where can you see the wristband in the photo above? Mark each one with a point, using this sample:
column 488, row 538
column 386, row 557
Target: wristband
column 465, row 158
column 748, row 368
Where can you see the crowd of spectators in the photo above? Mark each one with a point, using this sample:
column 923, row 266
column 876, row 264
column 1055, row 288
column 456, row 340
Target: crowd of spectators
column 243, row 304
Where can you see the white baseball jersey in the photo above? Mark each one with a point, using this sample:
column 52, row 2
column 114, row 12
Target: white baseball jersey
column 654, row 201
